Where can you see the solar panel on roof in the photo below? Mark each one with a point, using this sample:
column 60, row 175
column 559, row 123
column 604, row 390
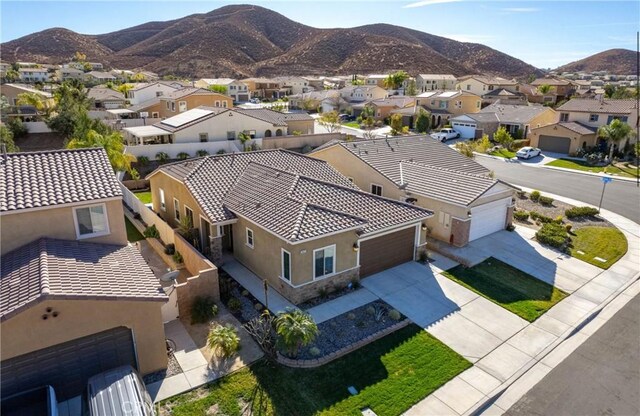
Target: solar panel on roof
column 186, row 117
column 448, row 94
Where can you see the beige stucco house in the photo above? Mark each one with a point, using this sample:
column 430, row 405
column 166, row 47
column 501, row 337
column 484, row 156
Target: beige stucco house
column 292, row 220
column 446, row 104
column 189, row 98
column 481, row 84
column 467, row 203
column 76, row 298
column 564, row 137
column 432, row 82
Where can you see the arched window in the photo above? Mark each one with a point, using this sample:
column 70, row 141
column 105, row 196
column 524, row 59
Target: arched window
column 267, row 133
column 279, row 132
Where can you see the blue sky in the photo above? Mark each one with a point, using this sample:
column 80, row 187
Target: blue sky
column 545, row 34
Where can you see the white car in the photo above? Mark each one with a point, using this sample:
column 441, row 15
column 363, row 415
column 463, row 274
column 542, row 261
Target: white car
column 527, row 152
column 445, row 134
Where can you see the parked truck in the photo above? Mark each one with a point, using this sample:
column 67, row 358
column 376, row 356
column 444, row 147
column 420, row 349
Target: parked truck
column 445, row 134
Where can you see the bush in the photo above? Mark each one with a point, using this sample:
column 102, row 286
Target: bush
column 534, row 196
column 351, row 316
column 258, row 307
column 581, row 212
column 521, row 215
column 545, row 200
column 568, row 227
column 234, row 304
column 223, row 340
column 162, row 157
column 521, row 194
column 558, row 219
column 539, row 217
column 220, row 152
column 151, row 232
column 395, row 315
column 201, row 153
column 518, row 144
column 314, row 351
column 552, row 234
column 177, row 257
column 183, row 155
column 170, row 249
column 203, row 309
column 17, row 128
column 143, row 160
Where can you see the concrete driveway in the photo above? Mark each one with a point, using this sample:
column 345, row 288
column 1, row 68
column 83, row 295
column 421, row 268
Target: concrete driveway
column 465, row 321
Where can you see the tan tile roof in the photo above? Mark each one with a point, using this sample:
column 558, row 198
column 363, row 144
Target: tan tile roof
column 42, row 179
column 60, row 269
column 606, row 106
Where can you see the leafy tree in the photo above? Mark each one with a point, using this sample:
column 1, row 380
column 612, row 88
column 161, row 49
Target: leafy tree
column 223, row 340
column 220, row 89
column 423, row 121
column 79, row 57
column 395, row 80
column 396, row 124
column 614, row 133
column 466, row 149
column 112, row 143
column 124, row 88
column 619, row 92
column 12, row 75
column 531, row 78
column 244, row 138
column 43, row 105
column 482, row 145
column 138, row 77
column 72, row 104
column 296, row 329
column 330, row 121
column 412, row 89
column 544, row 89
column 6, row 139
column 18, row 129
column 503, row 137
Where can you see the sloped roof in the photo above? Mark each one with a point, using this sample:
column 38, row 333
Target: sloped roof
column 438, row 76
column 145, row 104
column 274, row 117
column 554, row 82
column 41, row 179
column 489, row 80
column 99, row 94
column 60, row 269
column 510, row 113
column 578, row 127
column 183, row 92
column 606, row 106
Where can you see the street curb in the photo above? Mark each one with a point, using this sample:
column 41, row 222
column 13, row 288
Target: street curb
column 600, row 175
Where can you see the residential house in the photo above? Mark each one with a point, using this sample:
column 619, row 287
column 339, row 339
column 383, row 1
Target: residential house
column 565, row 137
column 76, row 298
column 446, row 104
column 383, row 107
column 432, row 82
column 265, row 88
column 99, row 77
column 188, row 98
column 361, row 93
column 375, row 80
column 517, row 119
column 559, row 89
column 4, row 67
column 11, row 93
column 146, row 91
column 323, row 100
column 466, row 202
column 66, row 74
column 502, row 96
column 32, row 74
column 480, row 84
column 292, row 220
column 295, row 85
column 104, row 98
column 237, row 90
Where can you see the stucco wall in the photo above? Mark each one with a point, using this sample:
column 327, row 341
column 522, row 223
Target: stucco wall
column 218, row 126
column 304, row 127
column 194, row 101
column 28, row 332
column 19, row 229
column 559, row 131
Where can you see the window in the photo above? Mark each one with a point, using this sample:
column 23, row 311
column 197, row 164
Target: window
column 155, row 114
column 593, row 117
column 250, row 237
column 173, row 106
column 477, row 104
column 286, row 265
column 91, row 221
column 224, row 104
column 458, row 104
column 376, row 189
column 324, row 261
column 176, row 209
column 204, row 137
column 444, row 219
column 490, row 87
column 621, row 118
column 217, row 103
column 564, row 116
column 167, row 105
column 231, row 135
column 182, row 105
column 188, row 213
column 159, row 93
column 163, row 205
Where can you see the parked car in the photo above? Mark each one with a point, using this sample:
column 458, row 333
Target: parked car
column 528, row 152
column 445, row 134
column 119, row 391
column 40, row 401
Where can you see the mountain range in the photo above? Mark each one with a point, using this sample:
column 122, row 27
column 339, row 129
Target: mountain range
column 616, row 61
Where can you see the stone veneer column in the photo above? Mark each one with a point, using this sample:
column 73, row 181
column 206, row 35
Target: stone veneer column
column 460, row 230
column 215, row 247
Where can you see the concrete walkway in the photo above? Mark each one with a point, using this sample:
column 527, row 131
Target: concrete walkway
column 277, row 303
column 338, row 306
column 506, row 373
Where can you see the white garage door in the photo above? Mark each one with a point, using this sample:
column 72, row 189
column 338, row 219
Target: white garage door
column 488, row 218
column 466, row 130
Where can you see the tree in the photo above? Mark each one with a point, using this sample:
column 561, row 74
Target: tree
column 394, row 81
column 6, row 139
column 544, row 89
column 614, row 133
column 411, row 90
column 330, row 121
column 244, row 138
column 423, row 121
column 503, row 137
column 466, row 149
column 43, row 105
column 72, row 104
column 124, row 89
column 112, row 143
column 220, row 89
column 296, row 329
column 396, row 124
column 531, row 78
column 11, row 75
column 17, row 128
column 223, row 340
column 79, row 57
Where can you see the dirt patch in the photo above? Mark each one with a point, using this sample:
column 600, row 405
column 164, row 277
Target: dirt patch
column 37, row 142
column 556, row 209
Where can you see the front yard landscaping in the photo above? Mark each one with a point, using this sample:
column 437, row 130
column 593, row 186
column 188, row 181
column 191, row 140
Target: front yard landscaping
column 353, row 124
column 509, row 287
column 390, row 376
column 617, row 170
column 607, row 243
column 133, row 234
column 144, row 197
column 507, row 154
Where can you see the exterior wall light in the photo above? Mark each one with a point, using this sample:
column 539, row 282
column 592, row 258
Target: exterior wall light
column 356, row 247
column 424, row 227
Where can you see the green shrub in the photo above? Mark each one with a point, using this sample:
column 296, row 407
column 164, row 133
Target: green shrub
column 314, row 351
column 17, row 128
column 545, row 200
column 258, row 307
column 581, row 212
column 151, row 232
column 518, row 144
column 170, row 249
column 534, row 196
column 223, row 340
column 220, row 152
column 203, row 310
column 201, row 153
column 183, row 155
column 234, row 304
column 395, row 315
column 162, row 157
column 552, row 234
column 177, row 257
column 568, row 227
column 143, row 160
column 539, row 217
column 521, row 215
column 558, row 219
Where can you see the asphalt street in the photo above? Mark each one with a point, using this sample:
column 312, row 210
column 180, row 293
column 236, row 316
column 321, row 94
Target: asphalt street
column 621, row 197
column 602, row 377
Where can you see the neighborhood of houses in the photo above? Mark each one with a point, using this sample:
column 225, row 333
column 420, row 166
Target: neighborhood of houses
column 317, row 199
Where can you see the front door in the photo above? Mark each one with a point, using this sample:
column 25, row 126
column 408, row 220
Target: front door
column 227, row 238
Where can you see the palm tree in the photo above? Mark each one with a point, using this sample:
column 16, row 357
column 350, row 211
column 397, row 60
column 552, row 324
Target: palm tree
column 124, row 89
column 296, row 328
column 42, row 104
column 614, row 133
column 112, row 143
column 223, row 340
column 544, row 89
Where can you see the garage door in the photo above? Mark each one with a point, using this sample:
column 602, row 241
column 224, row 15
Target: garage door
column 466, row 130
column 386, row 251
column 488, row 218
column 68, row 366
column 554, row 144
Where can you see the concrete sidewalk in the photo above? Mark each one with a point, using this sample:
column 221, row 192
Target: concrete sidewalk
column 505, row 374
column 338, row 306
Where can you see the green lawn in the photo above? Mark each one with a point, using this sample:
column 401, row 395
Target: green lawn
column 353, row 124
column 503, row 153
column 509, row 287
column 145, row 197
column 605, row 242
column 390, row 375
column 133, row 234
column 583, row 166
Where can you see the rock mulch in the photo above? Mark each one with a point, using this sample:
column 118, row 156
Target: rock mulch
column 556, row 209
column 173, row 368
column 331, row 296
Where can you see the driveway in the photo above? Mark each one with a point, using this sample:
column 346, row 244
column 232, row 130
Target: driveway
column 465, row 321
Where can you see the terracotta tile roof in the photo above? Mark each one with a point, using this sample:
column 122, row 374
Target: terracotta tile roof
column 274, row 117
column 606, row 106
column 41, row 179
column 59, row 269
column 183, row 92
column 510, row 113
column 578, row 127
